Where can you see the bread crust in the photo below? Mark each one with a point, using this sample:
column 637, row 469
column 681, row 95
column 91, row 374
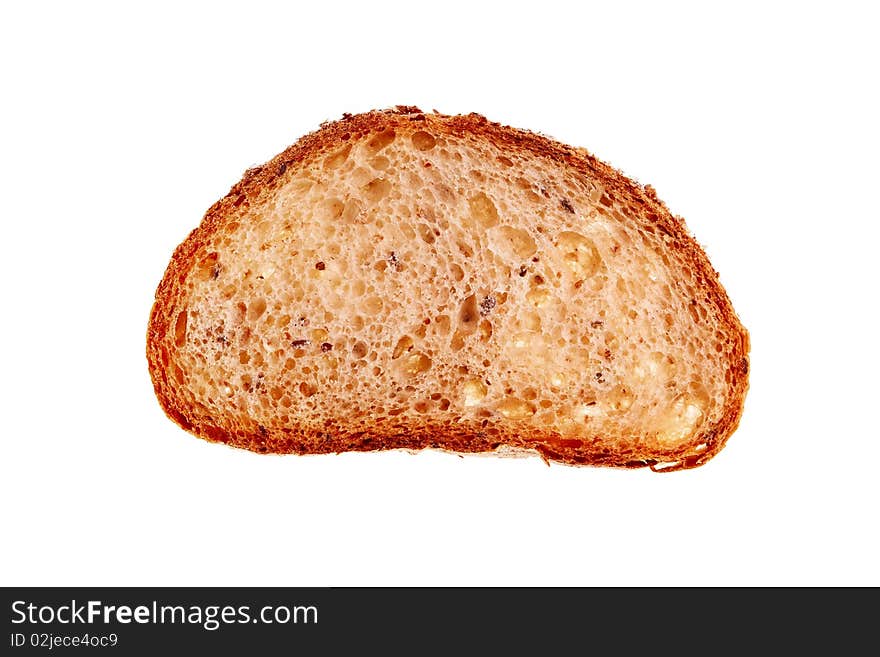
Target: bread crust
column 339, row 436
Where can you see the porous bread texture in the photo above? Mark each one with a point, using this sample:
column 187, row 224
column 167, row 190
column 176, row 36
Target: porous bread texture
column 401, row 279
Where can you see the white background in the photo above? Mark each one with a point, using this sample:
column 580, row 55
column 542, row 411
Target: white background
column 121, row 125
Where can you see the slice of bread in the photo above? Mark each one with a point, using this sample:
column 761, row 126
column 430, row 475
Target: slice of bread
column 400, row 279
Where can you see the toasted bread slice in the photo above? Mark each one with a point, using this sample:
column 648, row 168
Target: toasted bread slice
column 399, row 279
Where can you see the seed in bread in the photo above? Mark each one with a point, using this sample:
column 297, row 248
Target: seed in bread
column 401, row 279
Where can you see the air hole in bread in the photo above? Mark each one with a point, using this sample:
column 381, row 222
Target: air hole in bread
column 515, row 409
column 255, row 309
column 485, row 330
column 464, row 248
column 423, row 141
column 180, row 329
column 372, row 305
column 332, row 208
column 376, row 190
column 380, row 140
column 483, row 213
column 209, row 268
column 336, row 160
column 441, row 325
column 415, row 364
column 404, row 344
column 427, row 233
column 579, row 254
column 468, row 315
column 514, row 243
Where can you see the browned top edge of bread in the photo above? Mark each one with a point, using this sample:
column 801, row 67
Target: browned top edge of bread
column 262, row 179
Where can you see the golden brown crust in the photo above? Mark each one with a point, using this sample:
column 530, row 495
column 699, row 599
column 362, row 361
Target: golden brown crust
column 340, row 437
